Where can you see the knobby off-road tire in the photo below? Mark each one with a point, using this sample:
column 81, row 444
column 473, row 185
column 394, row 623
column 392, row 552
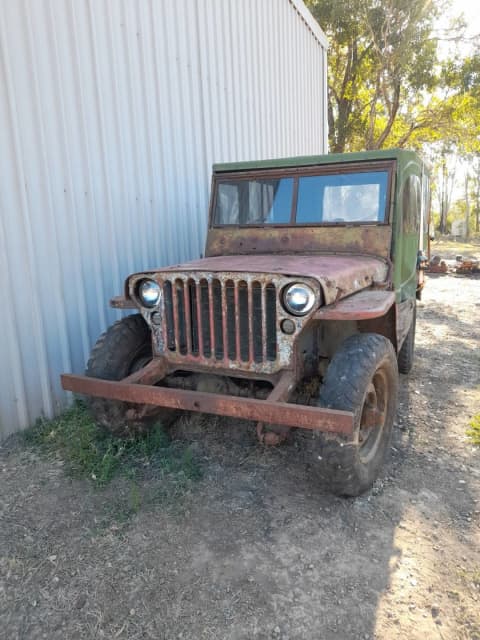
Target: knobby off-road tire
column 362, row 378
column 124, row 348
column 406, row 353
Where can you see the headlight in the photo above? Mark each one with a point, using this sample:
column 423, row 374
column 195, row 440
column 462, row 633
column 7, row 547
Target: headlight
column 298, row 299
column 148, row 292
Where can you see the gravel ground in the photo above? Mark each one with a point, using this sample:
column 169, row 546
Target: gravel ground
column 256, row 549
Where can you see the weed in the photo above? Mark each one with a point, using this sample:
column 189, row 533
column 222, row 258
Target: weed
column 88, row 451
column 474, row 432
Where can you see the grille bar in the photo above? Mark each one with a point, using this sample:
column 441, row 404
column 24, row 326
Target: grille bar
column 229, row 321
column 188, row 315
column 199, row 318
column 251, row 354
column 211, row 319
column 237, row 321
column 224, row 323
column 264, row 320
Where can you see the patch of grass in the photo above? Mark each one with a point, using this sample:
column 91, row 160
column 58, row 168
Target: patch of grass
column 472, row 576
column 474, row 431
column 88, row 451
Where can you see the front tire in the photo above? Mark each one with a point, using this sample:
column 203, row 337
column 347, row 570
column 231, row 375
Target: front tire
column 125, row 347
column 362, row 378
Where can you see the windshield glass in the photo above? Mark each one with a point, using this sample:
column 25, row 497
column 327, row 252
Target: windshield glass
column 345, row 197
column 254, row 201
column 332, row 198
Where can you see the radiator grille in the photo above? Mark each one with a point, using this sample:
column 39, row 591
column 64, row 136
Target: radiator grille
column 231, row 321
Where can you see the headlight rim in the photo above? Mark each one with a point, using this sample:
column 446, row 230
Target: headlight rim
column 140, row 298
column 308, row 307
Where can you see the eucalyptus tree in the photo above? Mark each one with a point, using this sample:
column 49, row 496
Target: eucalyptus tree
column 382, row 68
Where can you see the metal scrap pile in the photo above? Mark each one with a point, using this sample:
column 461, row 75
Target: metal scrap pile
column 460, row 265
column 437, row 265
column 467, row 265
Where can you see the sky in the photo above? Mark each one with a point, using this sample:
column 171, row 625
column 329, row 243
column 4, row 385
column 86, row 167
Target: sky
column 471, row 9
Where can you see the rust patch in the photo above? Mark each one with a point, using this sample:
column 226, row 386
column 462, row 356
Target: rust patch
column 362, row 306
column 121, row 302
column 272, row 435
column 291, row 415
column 339, row 275
column 374, row 240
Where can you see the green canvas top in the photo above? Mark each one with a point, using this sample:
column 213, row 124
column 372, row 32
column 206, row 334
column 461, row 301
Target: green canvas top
column 302, row 161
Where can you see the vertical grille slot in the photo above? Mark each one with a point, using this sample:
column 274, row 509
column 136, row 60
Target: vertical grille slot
column 192, row 288
column 205, row 318
column 242, row 327
column 257, row 321
column 271, row 304
column 228, row 321
column 216, row 294
column 168, row 303
column 179, row 318
column 230, row 303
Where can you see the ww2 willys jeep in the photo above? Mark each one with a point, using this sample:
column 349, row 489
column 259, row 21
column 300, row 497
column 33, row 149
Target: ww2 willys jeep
column 299, row 316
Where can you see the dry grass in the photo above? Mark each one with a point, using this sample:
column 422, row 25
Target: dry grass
column 449, row 248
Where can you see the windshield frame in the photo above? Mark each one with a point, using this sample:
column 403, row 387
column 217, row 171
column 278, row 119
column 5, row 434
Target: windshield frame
column 299, row 172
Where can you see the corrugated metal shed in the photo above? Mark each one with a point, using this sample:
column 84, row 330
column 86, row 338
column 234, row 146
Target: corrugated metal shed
column 111, row 115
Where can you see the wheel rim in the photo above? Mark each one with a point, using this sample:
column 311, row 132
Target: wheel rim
column 374, row 414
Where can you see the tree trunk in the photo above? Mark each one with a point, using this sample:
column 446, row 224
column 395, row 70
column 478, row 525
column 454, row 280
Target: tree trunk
column 443, row 199
column 467, row 209
column 477, row 206
column 446, row 182
column 391, row 118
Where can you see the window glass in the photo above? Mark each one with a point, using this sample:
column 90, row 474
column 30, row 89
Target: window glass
column 412, row 202
column 344, row 197
column 254, row 201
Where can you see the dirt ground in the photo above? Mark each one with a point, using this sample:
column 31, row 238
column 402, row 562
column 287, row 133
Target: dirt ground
column 256, row 549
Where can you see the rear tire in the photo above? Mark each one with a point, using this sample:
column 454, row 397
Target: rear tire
column 407, row 351
column 362, row 378
column 125, row 347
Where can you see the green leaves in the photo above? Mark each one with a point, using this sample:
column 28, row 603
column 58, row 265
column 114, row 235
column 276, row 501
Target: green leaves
column 388, row 86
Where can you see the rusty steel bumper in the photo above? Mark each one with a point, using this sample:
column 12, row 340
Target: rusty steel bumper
column 266, row 411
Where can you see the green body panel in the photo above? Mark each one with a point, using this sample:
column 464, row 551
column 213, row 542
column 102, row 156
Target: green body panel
column 305, row 161
column 410, row 224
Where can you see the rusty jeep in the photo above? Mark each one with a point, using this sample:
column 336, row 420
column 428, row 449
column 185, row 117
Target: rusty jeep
column 299, row 317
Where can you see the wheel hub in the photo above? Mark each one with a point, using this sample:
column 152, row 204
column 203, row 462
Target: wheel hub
column 373, row 416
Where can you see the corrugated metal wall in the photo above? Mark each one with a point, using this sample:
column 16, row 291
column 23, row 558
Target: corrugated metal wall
column 111, row 115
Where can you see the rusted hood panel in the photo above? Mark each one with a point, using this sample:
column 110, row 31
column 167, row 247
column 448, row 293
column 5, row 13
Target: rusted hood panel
column 339, row 276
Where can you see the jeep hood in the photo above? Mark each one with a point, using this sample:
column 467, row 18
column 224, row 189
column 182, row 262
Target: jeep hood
column 338, row 276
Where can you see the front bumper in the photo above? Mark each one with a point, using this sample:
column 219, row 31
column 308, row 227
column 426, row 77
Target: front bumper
column 267, row 411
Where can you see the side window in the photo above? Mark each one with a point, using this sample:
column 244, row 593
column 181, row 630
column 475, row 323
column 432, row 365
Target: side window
column 412, row 204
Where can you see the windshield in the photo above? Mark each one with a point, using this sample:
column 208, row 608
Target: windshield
column 332, row 198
